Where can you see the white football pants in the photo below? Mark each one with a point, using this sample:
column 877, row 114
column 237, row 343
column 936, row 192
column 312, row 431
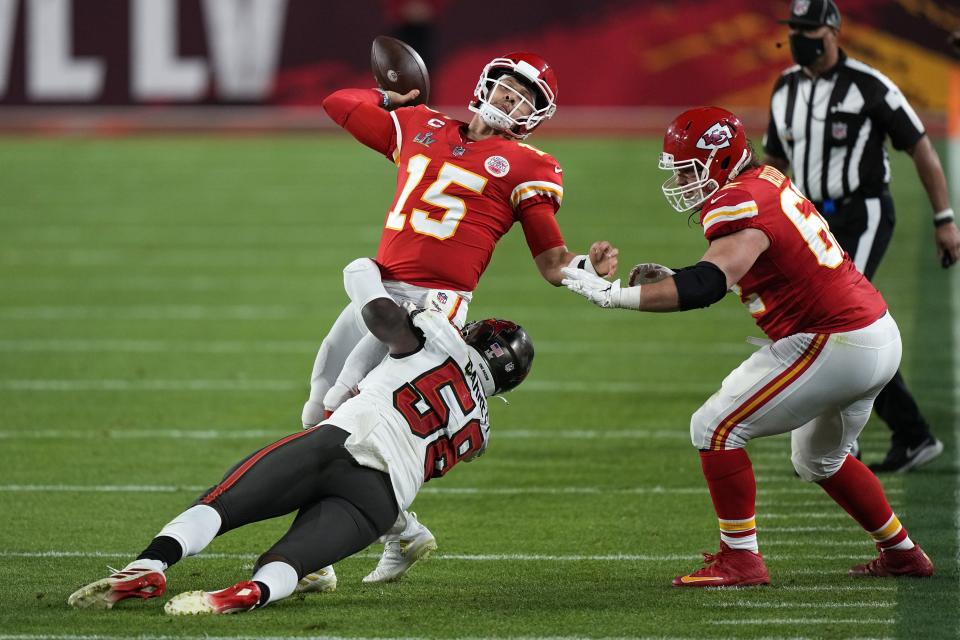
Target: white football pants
column 821, row 387
column 346, row 334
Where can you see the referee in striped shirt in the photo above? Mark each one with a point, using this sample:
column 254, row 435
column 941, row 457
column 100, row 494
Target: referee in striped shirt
column 829, row 118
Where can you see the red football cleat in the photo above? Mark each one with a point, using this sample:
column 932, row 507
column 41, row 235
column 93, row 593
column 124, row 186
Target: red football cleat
column 727, row 568
column 912, row 563
column 241, row 597
column 132, row 583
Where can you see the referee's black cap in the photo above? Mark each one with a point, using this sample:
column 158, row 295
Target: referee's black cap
column 813, row 13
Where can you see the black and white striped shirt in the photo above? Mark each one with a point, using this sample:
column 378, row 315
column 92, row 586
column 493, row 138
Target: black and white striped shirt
column 832, row 128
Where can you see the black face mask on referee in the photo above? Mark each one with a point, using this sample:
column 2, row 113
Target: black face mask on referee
column 806, row 51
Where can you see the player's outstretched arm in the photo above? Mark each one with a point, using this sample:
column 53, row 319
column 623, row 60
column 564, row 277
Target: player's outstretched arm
column 386, row 320
column 726, row 261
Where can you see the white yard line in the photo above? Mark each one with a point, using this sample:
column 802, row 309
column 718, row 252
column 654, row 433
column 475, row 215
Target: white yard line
column 830, row 528
column 202, row 433
column 24, row 636
column 749, row 604
column 152, row 312
column 94, row 345
column 466, row 557
column 535, row 386
column 866, row 586
column 805, row 621
column 457, row 491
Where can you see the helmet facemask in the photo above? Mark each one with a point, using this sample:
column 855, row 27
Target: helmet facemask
column 683, row 193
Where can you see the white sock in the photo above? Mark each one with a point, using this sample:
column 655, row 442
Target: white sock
column 194, row 529
column 904, row 545
column 152, row 565
column 279, row 577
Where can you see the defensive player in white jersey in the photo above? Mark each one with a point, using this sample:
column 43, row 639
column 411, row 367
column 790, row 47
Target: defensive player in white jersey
column 833, row 344
column 460, row 187
column 417, row 415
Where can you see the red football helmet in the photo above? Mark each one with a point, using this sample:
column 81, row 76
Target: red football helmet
column 531, row 70
column 705, row 148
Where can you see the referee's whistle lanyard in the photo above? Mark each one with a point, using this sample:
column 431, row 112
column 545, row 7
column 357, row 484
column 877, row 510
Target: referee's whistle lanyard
column 804, row 50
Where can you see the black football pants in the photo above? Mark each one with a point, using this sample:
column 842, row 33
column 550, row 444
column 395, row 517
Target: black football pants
column 864, row 227
column 342, row 507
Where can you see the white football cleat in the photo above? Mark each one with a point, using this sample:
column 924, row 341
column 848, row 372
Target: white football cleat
column 322, row 581
column 129, row 583
column 400, row 554
column 241, row 597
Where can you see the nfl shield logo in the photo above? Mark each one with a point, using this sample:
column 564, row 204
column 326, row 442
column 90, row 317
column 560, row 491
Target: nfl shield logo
column 800, row 7
column 839, row 130
column 459, row 151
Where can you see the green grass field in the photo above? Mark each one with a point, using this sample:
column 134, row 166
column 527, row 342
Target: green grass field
column 161, row 302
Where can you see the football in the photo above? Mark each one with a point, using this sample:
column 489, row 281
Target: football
column 397, row 67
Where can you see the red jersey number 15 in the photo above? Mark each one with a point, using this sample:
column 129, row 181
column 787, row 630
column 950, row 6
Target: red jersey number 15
column 435, row 194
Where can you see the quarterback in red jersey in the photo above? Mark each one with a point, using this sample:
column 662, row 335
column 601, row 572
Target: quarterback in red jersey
column 833, row 343
column 460, row 187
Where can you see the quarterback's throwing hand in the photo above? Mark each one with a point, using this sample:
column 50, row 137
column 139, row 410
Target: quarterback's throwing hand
column 594, row 288
column 603, row 256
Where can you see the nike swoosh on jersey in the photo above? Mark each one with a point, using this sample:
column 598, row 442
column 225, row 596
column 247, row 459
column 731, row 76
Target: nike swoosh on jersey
column 557, row 169
column 689, row 579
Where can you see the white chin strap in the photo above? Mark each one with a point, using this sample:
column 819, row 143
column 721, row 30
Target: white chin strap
column 494, row 117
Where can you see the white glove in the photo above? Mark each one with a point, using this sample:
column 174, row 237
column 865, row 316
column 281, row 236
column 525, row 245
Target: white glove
column 605, row 294
column 648, row 273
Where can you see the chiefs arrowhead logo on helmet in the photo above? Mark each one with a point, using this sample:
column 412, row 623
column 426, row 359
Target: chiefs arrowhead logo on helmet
column 704, row 148
column 716, row 137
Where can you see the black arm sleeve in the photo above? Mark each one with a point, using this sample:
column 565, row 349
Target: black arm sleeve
column 700, row 285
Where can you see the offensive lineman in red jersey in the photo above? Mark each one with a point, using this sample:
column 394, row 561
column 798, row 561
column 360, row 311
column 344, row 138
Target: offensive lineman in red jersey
column 834, row 345
column 460, row 187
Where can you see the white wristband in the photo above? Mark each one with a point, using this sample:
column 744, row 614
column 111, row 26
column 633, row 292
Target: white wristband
column 630, row 298
column 946, row 214
column 582, row 262
column 361, row 279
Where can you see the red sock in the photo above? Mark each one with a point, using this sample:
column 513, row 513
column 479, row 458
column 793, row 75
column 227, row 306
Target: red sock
column 733, row 489
column 857, row 490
